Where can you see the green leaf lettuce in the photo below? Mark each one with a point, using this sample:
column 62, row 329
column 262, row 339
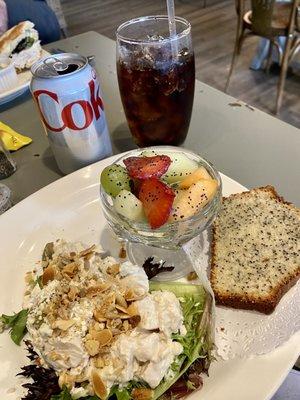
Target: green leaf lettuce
column 17, row 323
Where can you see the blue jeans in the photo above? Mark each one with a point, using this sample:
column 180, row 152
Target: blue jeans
column 39, row 13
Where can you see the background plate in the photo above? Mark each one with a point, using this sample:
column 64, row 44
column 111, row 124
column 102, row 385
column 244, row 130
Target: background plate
column 24, row 79
column 69, row 208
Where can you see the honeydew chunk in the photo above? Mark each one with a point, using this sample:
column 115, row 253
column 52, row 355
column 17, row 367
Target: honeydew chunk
column 149, row 153
column 200, row 173
column 180, row 167
column 190, row 201
column 128, row 205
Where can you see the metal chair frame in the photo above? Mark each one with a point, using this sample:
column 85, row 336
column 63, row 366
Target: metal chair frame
column 261, row 25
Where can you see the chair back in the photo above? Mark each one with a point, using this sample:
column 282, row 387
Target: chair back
column 268, row 15
column 262, row 15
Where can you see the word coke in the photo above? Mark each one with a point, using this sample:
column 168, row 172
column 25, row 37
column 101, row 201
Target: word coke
column 67, row 92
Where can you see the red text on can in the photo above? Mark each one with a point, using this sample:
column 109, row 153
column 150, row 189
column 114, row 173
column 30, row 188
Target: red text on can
column 91, row 108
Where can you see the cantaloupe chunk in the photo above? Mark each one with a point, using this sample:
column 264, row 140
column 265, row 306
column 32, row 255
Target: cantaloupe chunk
column 189, row 202
column 200, row 173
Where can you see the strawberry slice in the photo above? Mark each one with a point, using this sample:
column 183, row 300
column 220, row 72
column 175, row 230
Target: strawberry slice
column 157, row 199
column 147, row 167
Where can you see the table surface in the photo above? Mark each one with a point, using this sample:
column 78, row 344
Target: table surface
column 244, row 143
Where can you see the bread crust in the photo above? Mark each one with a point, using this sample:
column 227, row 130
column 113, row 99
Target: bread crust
column 12, row 34
column 263, row 305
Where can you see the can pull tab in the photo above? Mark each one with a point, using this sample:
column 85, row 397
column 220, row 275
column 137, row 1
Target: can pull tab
column 60, row 66
column 55, row 66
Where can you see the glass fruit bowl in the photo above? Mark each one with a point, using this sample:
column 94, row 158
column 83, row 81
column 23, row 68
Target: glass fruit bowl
column 163, row 243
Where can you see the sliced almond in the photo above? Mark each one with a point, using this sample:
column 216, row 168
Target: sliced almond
column 132, row 295
column 120, row 300
column 98, row 315
column 115, row 315
column 88, row 256
column 142, row 394
column 73, row 292
column 87, row 251
column 132, row 310
column 63, row 324
column 122, row 309
column 48, row 274
column 98, row 385
column 104, row 337
column 62, row 313
column 99, row 288
column 109, row 300
column 99, row 362
column 66, row 379
column 113, row 269
column 98, row 326
column 92, row 347
column 70, row 269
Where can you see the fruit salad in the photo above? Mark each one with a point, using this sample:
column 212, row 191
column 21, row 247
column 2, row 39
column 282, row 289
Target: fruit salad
column 158, row 188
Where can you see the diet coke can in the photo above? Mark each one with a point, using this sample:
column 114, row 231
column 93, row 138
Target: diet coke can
column 67, row 92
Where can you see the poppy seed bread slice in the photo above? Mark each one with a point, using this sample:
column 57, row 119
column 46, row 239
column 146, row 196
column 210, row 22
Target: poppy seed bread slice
column 255, row 250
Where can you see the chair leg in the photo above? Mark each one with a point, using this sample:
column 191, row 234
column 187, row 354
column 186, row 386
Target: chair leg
column 240, row 41
column 236, row 52
column 280, row 52
column 269, row 58
column 283, row 71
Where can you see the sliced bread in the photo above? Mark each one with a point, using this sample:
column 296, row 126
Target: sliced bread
column 255, row 250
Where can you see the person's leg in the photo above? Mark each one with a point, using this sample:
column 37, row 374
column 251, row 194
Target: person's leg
column 261, row 54
column 39, row 13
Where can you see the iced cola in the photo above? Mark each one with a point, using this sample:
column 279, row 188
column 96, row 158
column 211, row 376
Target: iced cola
column 156, row 81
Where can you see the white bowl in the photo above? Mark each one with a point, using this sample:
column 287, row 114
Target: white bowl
column 8, row 78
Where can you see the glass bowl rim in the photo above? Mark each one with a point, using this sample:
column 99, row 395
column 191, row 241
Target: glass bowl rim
column 178, row 36
column 209, row 207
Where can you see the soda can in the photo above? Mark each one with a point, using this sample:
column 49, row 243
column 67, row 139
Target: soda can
column 67, row 92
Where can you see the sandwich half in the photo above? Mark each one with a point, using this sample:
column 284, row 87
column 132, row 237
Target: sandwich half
column 21, row 44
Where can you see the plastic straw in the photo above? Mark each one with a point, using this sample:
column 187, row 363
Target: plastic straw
column 172, row 26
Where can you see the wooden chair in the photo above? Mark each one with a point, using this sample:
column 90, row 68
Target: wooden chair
column 269, row 19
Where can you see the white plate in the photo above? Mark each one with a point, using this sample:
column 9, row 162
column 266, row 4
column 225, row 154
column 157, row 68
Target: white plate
column 22, row 85
column 69, row 208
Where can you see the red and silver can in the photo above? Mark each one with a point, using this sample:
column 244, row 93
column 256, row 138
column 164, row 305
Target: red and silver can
column 67, row 92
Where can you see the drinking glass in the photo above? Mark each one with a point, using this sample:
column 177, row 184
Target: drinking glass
column 165, row 243
column 156, row 75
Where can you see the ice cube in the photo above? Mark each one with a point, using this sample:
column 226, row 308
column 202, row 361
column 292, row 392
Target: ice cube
column 155, row 38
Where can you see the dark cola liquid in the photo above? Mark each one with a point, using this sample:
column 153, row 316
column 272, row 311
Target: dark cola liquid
column 158, row 101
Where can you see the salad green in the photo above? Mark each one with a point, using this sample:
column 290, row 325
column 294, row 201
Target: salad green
column 196, row 343
column 17, row 323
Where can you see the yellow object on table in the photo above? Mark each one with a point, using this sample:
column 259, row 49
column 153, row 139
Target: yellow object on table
column 12, row 140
